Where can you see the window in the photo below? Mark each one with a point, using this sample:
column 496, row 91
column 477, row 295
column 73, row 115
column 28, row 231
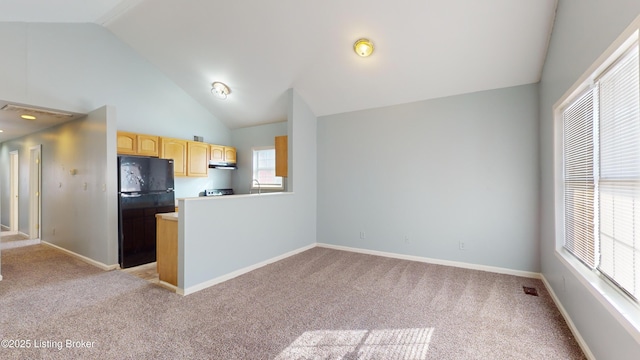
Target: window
column 264, row 168
column 601, row 171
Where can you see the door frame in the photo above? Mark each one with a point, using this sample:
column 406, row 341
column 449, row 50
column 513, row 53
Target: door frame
column 14, row 191
column 35, row 191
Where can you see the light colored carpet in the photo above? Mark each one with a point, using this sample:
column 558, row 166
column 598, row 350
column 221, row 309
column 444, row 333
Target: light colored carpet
column 320, row 304
column 13, row 239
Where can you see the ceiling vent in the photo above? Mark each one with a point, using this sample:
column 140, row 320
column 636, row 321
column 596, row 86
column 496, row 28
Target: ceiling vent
column 34, row 111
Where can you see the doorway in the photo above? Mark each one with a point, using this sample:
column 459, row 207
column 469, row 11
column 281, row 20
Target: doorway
column 35, row 189
column 14, row 201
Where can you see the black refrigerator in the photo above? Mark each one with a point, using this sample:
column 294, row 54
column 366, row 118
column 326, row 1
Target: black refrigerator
column 145, row 188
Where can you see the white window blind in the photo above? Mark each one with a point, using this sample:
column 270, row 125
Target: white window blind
column 601, row 143
column 579, row 184
column 619, row 175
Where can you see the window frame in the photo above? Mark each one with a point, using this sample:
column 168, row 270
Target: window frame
column 267, row 187
column 624, row 309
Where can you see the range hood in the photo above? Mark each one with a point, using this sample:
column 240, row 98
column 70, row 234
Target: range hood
column 222, row 165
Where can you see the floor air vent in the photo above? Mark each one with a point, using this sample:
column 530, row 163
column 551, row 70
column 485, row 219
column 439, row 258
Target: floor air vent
column 530, row 291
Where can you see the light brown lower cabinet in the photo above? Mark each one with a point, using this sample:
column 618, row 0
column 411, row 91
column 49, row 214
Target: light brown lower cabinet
column 167, row 248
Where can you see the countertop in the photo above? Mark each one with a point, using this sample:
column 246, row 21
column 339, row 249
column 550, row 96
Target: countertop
column 172, row 216
column 235, row 196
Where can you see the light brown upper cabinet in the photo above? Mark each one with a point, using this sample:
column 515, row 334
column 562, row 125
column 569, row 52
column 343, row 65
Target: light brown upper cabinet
column 217, row 153
column 148, row 145
column 282, row 156
column 229, row 154
column 197, row 159
column 127, row 143
column 137, row 144
column 175, row 149
column 221, row 154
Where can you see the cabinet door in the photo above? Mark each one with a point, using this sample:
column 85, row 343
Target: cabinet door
column 217, row 153
column 126, row 143
column 167, row 250
column 229, row 154
column 177, row 150
column 282, row 156
column 147, row 145
column 197, row 159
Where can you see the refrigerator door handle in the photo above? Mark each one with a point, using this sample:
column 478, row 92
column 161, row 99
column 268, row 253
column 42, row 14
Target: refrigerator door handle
column 130, row 195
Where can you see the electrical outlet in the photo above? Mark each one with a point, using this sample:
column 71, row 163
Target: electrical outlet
column 363, row 235
column 54, row 231
column 462, row 245
column 406, row 239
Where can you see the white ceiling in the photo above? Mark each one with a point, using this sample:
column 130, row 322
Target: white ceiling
column 423, row 48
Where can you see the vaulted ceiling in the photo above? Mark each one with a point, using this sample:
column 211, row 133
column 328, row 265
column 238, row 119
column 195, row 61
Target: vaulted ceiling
column 424, row 49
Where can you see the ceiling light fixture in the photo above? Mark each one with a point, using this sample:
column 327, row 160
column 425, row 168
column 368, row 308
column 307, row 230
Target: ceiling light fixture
column 220, row 90
column 363, row 47
column 36, row 111
column 28, row 117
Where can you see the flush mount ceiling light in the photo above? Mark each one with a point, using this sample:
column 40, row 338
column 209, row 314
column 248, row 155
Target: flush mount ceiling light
column 220, row 90
column 363, row 47
column 28, row 117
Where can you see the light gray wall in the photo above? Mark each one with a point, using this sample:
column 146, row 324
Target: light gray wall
column 582, row 32
column 419, row 178
column 81, row 67
column 84, row 217
column 246, row 138
column 253, row 228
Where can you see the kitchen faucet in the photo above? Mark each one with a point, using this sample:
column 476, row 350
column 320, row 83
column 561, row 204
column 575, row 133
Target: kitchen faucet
column 257, row 182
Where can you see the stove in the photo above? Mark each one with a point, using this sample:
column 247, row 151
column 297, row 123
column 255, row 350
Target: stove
column 217, row 192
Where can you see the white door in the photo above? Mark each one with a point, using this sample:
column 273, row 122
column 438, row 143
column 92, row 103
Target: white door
column 34, row 191
column 13, row 193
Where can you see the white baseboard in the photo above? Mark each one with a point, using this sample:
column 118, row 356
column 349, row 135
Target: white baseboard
column 231, row 275
column 83, row 258
column 5, row 227
column 0, row 277
column 574, row 330
column 493, row 269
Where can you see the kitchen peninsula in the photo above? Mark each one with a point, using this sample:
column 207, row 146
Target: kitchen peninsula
column 222, row 237
column 191, row 249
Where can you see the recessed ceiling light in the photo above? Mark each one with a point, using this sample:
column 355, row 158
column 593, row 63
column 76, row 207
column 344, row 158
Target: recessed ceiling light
column 35, row 111
column 28, row 117
column 1, row 131
column 220, row 90
column 363, row 47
